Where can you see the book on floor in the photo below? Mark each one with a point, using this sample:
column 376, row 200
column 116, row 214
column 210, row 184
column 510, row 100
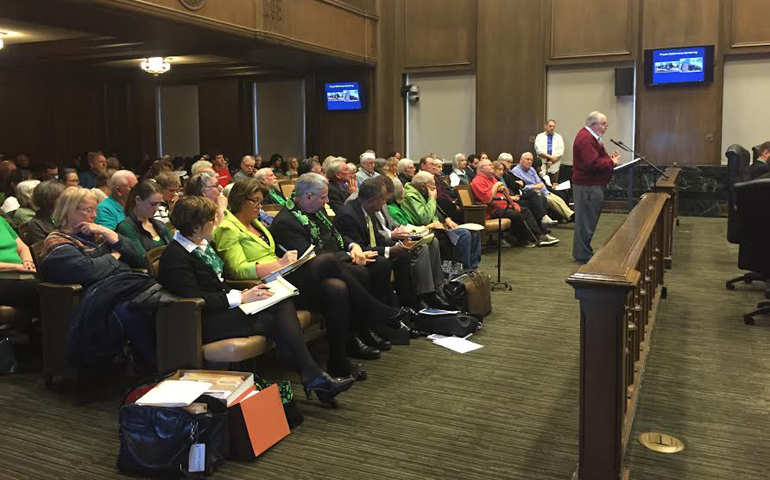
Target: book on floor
column 174, row 393
column 225, row 385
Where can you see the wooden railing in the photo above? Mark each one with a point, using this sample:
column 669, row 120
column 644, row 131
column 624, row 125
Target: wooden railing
column 619, row 290
column 670, row 186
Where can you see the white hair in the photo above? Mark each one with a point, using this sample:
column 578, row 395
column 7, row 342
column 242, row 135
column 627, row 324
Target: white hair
column 310, row 183
column 505, row 157
column 120, row 178
column 201, row 165
column 24, row 192
column 398, row 189
column 334, row 166
column 456, row 161
column 594, row 118
column 352, row 168
column 260, row 174
column 403, row 164
column 422, row 178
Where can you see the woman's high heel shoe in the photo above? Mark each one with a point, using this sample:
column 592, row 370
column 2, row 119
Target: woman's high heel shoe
column 326, row 388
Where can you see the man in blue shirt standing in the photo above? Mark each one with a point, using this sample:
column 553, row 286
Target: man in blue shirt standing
column 109, row 212
column 549, row 146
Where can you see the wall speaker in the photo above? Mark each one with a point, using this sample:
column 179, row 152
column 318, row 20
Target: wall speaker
column 624, row 81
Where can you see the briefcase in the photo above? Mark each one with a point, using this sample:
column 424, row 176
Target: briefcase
column 471, row 291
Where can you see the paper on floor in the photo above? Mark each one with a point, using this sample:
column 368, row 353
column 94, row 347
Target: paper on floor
column 457, row 344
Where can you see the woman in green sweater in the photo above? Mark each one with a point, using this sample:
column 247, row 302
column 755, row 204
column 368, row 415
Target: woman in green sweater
column 139, row 226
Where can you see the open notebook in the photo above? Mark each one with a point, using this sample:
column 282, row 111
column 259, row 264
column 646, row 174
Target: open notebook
column 308, row 255
column 281, row 289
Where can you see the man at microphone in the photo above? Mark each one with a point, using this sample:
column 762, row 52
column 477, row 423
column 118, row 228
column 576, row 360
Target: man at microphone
column 591, row 171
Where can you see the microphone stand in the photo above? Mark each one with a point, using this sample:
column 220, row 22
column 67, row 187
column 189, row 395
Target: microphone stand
column 624, row 147
column 499, row 284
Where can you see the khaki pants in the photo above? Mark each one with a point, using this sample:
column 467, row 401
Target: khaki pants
column 556, row 204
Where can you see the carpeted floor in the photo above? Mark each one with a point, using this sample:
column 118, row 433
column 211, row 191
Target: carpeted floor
column 508, row 410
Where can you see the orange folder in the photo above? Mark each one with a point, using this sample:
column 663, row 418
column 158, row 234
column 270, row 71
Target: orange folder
column 264, row 420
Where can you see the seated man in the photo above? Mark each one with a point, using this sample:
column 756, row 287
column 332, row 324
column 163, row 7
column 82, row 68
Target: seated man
column 367, row 168
column 760, row 165
column 420, row 204
column 247, row 168
column 532, row 181
column 415, row 270
column 109, row 212
column 487, row 189
column 340, row 179
column 267, row 178
column 531, row 199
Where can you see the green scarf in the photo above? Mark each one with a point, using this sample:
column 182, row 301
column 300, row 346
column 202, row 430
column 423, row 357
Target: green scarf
column 210, row 258
column 277, row 197
column 315, row 232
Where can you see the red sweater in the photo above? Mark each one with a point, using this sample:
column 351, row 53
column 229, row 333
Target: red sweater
column 591, row 165
column 224, row 176
column 481, row 187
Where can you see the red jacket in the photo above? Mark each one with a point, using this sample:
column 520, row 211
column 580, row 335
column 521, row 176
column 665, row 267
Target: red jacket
column 591, row 165
column 481, row 187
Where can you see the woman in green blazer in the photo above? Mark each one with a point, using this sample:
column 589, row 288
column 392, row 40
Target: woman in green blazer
column 140, row 226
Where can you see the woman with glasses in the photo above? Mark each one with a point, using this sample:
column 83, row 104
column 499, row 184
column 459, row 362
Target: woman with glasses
column 140, row 226
column 206, row 184
column 190, row 267
column 170, row 184
column 81, row 251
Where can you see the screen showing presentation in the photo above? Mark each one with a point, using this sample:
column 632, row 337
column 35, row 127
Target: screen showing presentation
column 680, row 65
column 343, row 96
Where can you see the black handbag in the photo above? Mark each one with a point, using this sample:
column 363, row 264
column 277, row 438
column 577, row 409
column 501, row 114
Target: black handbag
column 471, row 292
column 156, row 441
column 457, row 324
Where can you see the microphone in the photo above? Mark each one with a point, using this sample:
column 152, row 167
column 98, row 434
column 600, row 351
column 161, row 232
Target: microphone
column 620, row 144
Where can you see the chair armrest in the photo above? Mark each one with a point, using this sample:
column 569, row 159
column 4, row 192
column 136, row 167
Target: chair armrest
column 57, row 304
column 179, row 335
column 475, row 214
column 140, row 270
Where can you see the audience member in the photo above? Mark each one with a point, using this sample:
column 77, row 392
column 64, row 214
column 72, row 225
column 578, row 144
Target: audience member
column 190, row 267
column 16, row 177
column 470, row 167
column 391, row 168
column 532, row 181
column 396, row 211
column 96, row 163
column 139, row 226
column 292, row 168
column 524, row 228
column 339, row 180
column 69, row 177
column 447, row 198
column 206, row 184
column 267, row 178
column 26, row 211
column 16, row 257
column 276, row 163
column 459, row 175
column 405, row 169
column 531, row 199
column 103, row 190
column 396, row 155
column 201, row 166
column 6, row 168
column 48, row 172
column 247, row 168
column 44, row 197
column 760, row 165
column 308, row 165
column 110, row 211
column 549, row 146
column 367, row 167
column 170, row 183
column 113, row 163
column 81, row 251
column 457, row 244
column 219, row 163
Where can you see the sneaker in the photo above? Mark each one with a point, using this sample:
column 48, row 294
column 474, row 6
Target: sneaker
column 527, row 244
column 505, row 243
column 546, row 240
column 548, row 221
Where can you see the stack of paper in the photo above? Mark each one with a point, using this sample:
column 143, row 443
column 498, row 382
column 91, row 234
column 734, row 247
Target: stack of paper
column 456, row 344
column 174, row 393
column 226, row 386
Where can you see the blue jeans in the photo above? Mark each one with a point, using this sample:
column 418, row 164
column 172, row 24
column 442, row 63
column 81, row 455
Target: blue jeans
column 467, row 250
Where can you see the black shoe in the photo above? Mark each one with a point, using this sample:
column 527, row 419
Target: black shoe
column 346, row 368
column 326, row 388
column 358, row 349
column 444, row 300
column 422, row 304
column 437, row 302
column 373, row 340
column 404, row 315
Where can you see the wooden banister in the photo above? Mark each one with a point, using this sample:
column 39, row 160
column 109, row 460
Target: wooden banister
column 670, row 186
column 618, row 290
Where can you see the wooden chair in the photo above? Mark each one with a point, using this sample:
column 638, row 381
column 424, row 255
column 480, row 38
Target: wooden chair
column 476, row 213
column 286, row 188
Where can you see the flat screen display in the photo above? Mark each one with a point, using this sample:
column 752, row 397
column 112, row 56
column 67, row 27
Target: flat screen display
column 679, row 65
column 343, row 96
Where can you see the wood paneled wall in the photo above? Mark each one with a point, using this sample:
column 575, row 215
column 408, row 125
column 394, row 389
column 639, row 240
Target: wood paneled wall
column 438, row 35
column 590, row 29
column 224, row 116
column 54, row 117
column 746, row 27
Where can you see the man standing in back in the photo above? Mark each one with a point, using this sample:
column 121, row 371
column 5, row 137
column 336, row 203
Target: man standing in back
column 550, row 147
column 591, row 171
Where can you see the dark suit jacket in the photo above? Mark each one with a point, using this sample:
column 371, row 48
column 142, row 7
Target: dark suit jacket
column 292, row 235
column 187, row 276
column 337, row 197
column 351, row 222
column 591, row 164
column 758, row 168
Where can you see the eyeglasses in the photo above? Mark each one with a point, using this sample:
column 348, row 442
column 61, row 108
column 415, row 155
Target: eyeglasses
column 89, row 210
column 257, row 203
column 171, row 190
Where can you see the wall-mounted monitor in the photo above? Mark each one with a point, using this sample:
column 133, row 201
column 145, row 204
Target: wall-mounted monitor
column 669, row 66
column 343, row 96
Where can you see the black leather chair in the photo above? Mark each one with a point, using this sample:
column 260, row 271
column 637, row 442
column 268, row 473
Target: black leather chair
column 753, row 198
column 737, row 172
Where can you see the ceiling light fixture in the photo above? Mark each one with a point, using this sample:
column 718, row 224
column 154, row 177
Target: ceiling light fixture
column 156, row 65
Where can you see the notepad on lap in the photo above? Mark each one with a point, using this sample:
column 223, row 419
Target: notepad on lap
column 308, row 255
column 281, row 289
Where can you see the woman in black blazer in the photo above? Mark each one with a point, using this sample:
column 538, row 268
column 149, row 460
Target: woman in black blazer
column 189, row 267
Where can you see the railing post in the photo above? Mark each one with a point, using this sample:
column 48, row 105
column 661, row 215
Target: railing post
column 603, row 325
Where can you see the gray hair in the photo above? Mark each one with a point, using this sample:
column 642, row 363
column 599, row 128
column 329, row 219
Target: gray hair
column 198, row 182
column 422, row 178
column 456, row 161
column 248, row 157
column 505, row 157
column 200, row 165
column 262, row 173
column 310, row 183
column 398, row 189
column 333, row 167
column 403, row 164
column 120, row 178
column 24, row 192
column 352, row 168
column 594, row 118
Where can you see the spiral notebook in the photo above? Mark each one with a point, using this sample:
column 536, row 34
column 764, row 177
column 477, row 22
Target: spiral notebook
column 281, row 289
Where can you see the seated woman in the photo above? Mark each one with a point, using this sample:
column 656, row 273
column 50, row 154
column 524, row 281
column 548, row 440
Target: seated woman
column 292, row 169
column 81, row 251
column 325, row 285
column 308, row 165
column 16, row 258
column 170, row 183
column 206, row 184
column 69, row 177
column 25, row 212
column 191, row 268
column 44, row 196
column 140, row 226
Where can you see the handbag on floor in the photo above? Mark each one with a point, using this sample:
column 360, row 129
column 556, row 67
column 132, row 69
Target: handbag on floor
column 452, row 324
column 471, row 292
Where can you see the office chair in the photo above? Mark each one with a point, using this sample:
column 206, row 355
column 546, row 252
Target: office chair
column 737, row 171
column 753, row 198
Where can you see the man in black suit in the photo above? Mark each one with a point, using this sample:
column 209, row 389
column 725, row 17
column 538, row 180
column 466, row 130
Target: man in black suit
column 415, row 270
column 302, row 221
column 760, row 165
column 339, row 177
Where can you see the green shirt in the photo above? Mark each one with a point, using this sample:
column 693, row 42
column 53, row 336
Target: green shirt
column 241, row 249
column 421, row 210
column 8, row 252
column 398, row 214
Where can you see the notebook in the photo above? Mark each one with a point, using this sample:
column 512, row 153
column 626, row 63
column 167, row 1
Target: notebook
column 281, row 289
column 308, row 255
column 174, row 393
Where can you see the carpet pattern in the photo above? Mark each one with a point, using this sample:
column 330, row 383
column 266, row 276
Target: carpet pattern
column 506, row 411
